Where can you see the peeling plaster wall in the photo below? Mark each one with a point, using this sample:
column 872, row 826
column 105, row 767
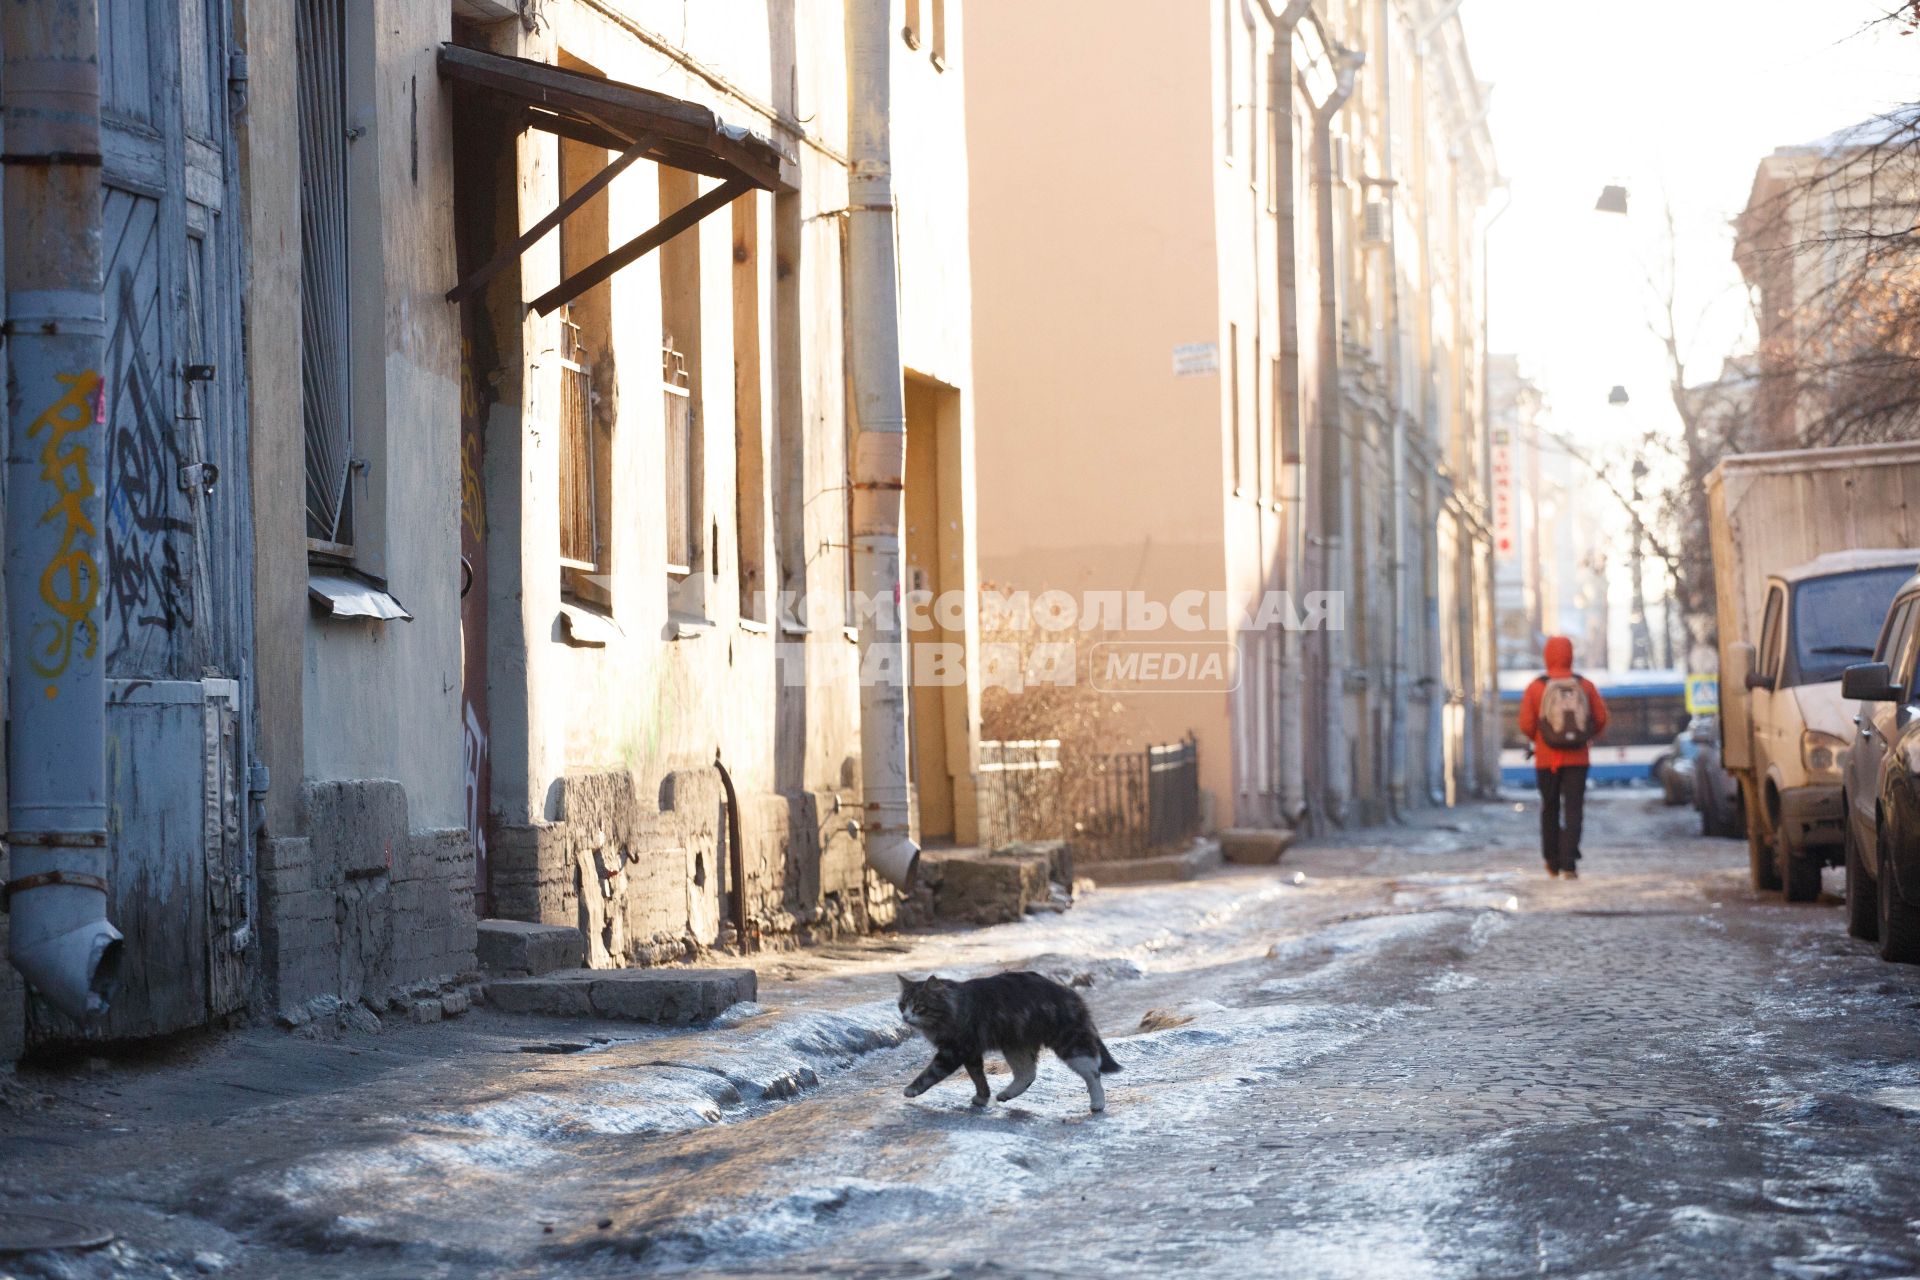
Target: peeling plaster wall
column 368, row 904
column 605, row 807
column 644, row 876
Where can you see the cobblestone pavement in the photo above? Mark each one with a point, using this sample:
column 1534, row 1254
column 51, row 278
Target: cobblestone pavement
column 1425, row 1060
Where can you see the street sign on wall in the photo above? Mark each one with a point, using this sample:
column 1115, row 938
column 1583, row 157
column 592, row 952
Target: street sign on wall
column 1506, row 522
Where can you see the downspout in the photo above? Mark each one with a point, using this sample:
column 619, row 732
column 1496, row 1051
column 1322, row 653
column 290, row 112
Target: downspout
column 59, row 938
column 1293, row 723
column 1332, row 497
column 879, row 444
column 1487, row 777
column 1397, row 546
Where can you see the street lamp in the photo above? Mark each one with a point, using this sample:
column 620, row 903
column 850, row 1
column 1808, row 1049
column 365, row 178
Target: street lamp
column 1613, row 199
column 1617, row 396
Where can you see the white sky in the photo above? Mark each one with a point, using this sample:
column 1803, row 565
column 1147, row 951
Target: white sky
column 1677, row 100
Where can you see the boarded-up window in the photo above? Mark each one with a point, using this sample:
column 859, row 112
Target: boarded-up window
column 580, row 533
column 749, row 416
column 325, row 370
column 680, row 377
column 588, row 406
column 683, row 530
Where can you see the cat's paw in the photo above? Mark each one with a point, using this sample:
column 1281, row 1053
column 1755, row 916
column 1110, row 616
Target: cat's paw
column 914, row 1090
column 980, row 1099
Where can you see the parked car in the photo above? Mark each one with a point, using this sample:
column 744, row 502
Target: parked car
column 1881, row 786
column 1818, row 618
column 1716, row 793
column 1673, row 768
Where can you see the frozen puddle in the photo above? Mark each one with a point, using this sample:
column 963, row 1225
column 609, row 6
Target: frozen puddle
column 936, row 1156
column 519, row 1132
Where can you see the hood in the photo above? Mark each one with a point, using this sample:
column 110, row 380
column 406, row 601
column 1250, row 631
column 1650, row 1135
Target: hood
column 1559, row 656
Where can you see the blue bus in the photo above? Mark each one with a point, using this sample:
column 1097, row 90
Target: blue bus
column 1645, row 710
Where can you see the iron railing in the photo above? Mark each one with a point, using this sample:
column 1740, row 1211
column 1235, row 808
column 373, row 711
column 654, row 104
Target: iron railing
column 1131, row 804
column 1141, row 803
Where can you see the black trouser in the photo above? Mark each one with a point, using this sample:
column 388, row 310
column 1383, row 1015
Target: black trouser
column 1565, row 786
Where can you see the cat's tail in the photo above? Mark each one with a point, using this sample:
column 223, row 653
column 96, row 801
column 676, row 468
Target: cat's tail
column 1107, row 1065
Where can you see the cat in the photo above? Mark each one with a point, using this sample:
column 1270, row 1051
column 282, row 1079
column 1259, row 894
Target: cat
column 1016, row 1014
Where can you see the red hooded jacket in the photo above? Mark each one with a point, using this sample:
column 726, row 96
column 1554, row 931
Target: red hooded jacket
column 1559, row 656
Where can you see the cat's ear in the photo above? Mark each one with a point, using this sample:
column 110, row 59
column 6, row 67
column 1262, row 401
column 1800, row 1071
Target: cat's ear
column 906, row 983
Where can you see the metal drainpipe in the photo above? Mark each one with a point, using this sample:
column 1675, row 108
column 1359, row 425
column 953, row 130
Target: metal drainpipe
column 736, row 857
column 59, row 938
column 1293, row 725
column 1332, row 488
column 1397, row 666
column 880, row 443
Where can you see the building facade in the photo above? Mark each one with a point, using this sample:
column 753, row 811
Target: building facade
column 518, row 336
column 1251, row 366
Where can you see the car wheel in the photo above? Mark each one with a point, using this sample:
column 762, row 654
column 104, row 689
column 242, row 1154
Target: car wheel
column 1899, row 922
column 1799, row 872
column 1863, row 905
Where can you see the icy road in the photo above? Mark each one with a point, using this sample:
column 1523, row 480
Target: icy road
column 1426, row 1059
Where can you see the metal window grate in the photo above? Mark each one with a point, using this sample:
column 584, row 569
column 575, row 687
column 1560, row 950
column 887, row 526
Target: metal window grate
column 326, row 372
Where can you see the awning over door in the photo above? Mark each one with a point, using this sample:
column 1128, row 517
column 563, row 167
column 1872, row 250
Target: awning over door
column 637, row 124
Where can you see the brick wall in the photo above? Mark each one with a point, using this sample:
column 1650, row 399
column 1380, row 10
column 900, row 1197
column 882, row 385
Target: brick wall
column 644, row 876
column 365, row 905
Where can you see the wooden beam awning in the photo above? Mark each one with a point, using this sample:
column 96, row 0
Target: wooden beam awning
column 634, row 122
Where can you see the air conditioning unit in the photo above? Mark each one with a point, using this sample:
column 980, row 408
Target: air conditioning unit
column 1376, row 225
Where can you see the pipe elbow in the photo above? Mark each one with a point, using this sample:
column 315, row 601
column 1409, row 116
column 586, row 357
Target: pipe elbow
column 73, row 962
column 895, row 856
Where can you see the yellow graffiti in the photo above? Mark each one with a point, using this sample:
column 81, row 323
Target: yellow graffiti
column 70, row 583
column 473, row 497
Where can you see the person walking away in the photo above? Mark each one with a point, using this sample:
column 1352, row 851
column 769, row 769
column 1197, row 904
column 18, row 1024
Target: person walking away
column 1562, row 712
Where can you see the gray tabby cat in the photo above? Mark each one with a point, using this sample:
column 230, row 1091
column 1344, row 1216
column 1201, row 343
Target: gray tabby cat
column 1015, row 1014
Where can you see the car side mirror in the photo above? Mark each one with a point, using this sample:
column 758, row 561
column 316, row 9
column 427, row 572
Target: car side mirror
column 1870, row 682
column 1757, row 681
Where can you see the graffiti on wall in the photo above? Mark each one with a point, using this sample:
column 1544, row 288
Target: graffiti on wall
column 149, row 590
column 70, row 580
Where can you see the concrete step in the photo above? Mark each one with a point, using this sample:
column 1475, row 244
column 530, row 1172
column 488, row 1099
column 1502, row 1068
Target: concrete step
column 516, row 949
column 969, row 887
column 1203, row 857
column 675, row 997
column 1255, row 846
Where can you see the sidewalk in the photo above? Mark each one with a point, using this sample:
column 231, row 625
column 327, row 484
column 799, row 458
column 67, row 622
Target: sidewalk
column 197, row 1152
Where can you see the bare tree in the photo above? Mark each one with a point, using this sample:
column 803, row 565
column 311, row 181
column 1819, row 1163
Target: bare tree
column 1829, row 244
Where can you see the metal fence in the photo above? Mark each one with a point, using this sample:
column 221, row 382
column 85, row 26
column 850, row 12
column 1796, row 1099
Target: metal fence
column 1132, row 804
column 1141, row 803
column 1021, row 796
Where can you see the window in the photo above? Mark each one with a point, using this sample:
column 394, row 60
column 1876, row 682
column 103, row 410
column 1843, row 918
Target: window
column 680, row 388
column 326, row 373
column 1278, row 162
column 683, row 526
column 1237, row 440
column 1286, row 429
column 586, row 416
column 1259, row 437
column 1833, row 619
column 1892, row 633
column 1770, row 634
column 749, row 416
column 1226, row 79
